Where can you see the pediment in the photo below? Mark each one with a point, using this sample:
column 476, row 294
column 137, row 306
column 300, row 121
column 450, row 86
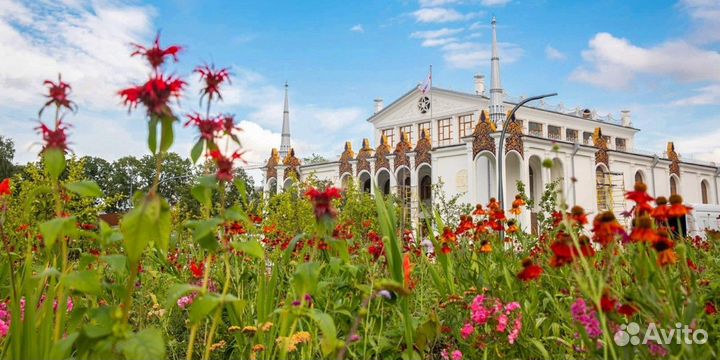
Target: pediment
column 444, row 103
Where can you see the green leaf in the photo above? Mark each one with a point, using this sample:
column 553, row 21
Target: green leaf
column 152, row 134
column 329, row 341
column 540, row 347
column 54, row 161
column 140, row 226
column 196, row 151
column 61, row 349
column 87, row 282
column 145, row 344
column 164, row 227
column 305, row 278
column 85, row 188
column 204, row 233
column 178, row 290
column 56, row 228
column 100, row 323
column 117, row 262
column 167, row 135
column 202, row 306
column 250, row 247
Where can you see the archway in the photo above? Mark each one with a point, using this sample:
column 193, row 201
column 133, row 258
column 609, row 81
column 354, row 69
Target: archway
column 639, row 177
column 404, row 191
column 365, row 181
column 674, row 185
column 425, row 196
column 288, row 183
column 705, row 191
column 603, row 187
column 345, row 181
column 513, row 174
column 486, row 177
column 272, row 186
column 383, row 181
column 557, row 174
column 535, row 180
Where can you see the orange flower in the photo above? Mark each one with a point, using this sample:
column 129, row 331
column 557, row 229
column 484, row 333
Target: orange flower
column 643, row 230
column 660, row 212
column 530, row 271
column 641, row 198
column 493, row 204
column 564, row 250
column 512, row 227
column 466, row 223
column 448, row 237
column 606, row 228
column 5, row 188
column 677, row 209
column 516, row 204
column 577, row 214
column 407, row 271
column 485, row 247
column 479, row 211
column 666, row 254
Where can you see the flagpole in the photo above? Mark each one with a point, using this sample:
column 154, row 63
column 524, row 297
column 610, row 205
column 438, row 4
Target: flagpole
column 431, row 101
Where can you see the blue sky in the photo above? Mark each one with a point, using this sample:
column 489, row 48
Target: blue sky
column 658, row 59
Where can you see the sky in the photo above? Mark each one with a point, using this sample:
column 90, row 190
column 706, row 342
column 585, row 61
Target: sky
column 659, row 59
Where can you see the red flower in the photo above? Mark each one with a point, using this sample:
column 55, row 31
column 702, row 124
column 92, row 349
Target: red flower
column 479, row 210
column 154, row 94
column 225, row 164
column 207, row 127
column 407, row 271
column 530, row 271
column 643, row 230
column 608, row 303
column 156, row 55
column 640, row 196
column 197, row 269
column 577, row 214
column 213, row 79
column 322, row 201
column 466, row 223
column 564, row 250
column 677, row 209
column 5, row 188
column 606, row 228
column 710, row 309
column 228, row 124
column 58, row 95
column 54, row 139
column 628, row 310
column 660, row 212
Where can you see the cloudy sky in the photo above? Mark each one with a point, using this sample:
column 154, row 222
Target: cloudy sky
column 658, row 59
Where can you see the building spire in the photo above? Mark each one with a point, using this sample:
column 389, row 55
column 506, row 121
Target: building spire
column 285, row 138
column 497, row 109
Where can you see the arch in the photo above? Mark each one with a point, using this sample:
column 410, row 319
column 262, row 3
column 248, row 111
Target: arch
column 272, row 186
column 705, row 191
column 288, row 183
column 535, row 179
column 404, row 191
column 603, row 187
column 399, row 169
column 345, row 180
column 674, row 185
column 513, row 173
column 640, row 176
column 383, row 181
column 485, row 176
column 365, row 181
column 557, row 173
column 425, row 185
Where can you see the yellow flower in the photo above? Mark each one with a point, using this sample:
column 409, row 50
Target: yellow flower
column 301, row 337
column 265, row 327
column 249, row 330
column 218, row 345
column 258, row 348
column 233, row 329
column 286, row 343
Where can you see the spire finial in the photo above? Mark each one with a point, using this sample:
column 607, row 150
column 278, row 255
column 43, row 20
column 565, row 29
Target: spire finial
column 497, row 109
column 285, row 136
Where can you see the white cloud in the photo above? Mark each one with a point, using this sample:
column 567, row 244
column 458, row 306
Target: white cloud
column 706, row 15
column 434, row 3
column 703, row 146
column 707, row 95
column 494, row 2
column 358, row 28
column 436, row 37
column 469, row 55
column 612, row 62
column 554, row 54
column 441, row 15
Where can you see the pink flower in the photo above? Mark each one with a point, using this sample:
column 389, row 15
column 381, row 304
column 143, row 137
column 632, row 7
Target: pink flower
column 587, row 317
column 467, row 330
column 512, row 307
column 457, row 355
column 502, row 323
column 444, row 354
column 186, row 301
column 512, row 337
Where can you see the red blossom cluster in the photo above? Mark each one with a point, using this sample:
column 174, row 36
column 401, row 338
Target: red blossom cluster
column 322, row 202
column 213, row 79
column 5, row 188
column 58, row 95
column 54, row 139
column 224, row 164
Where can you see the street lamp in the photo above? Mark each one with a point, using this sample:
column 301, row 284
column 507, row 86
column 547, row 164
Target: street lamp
column 501, row 156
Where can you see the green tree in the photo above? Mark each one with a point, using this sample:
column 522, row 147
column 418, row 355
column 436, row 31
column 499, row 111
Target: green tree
column 7, row 154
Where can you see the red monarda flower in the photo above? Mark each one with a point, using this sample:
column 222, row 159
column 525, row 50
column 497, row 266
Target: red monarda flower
column 213, row 79
column 322, row 201
column 228, row 124
column 155, row 94
column 710, row 309
column 207, row 127
column 5, row 188
column 156, row 55
column 58, row 95
column 197, row 269
column 54, row 139
column 530, row 271
column 224, row 164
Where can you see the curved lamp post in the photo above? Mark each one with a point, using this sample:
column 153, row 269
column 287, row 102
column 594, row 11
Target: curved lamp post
column 501, row 156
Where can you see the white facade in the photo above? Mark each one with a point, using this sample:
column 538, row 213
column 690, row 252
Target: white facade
column 463, row 145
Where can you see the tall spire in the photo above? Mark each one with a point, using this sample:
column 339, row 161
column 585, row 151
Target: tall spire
column 285, row 138
column 497, row 109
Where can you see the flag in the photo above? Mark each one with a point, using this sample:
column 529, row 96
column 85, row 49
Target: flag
column 427, row 85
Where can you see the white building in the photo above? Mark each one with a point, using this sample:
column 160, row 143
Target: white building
column 452, row 137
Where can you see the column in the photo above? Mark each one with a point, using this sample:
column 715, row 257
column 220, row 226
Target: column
column 393, row 179
column 373, row 180
column 280, row 178
column 414, row 195
column 472, row 186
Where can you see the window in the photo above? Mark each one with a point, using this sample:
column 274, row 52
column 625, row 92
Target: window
column 571, row 135
column 620, row 144
column 535, row 129
column 390, row 135
column 554, row 132
column 408, row 129
column 423, row 126
column 608, row 141
column 425, row 188
column 639, row 177
column 673, row 186
column 704, row 191
column 465, row 123
column 587, row 138
column 444, row 132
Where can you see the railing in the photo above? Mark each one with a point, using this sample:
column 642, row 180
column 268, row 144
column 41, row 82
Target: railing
column 537, row 133
column 572, row 139
column 554, row 136
column 560, row 108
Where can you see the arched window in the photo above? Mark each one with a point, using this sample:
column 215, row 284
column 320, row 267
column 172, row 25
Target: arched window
column 673, row 186
column 705, row 192
column 425, row 188
column 531, row 175
column 639, row 177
